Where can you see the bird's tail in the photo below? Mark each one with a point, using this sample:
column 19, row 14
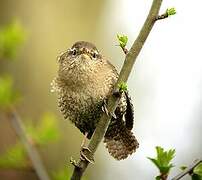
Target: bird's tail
column 120, row 141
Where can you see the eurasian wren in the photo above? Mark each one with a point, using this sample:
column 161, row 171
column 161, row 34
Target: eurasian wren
column 85, row 79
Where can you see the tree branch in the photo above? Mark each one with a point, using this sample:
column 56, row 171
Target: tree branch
column 34, row 156
column 187, row 170
column 130, row 59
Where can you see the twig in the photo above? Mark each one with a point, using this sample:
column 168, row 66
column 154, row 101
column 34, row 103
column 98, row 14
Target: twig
column 123, row 77
column 163, row 176
column 162, row 16
column 169, row 12
column 125, row 50
column 31, row 150
column 187, row 170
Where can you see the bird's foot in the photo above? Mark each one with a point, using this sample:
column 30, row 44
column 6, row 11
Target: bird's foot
column 106, row 111
column 86, row 154
column 73, row 162
column 104, row 107
column 84, row 140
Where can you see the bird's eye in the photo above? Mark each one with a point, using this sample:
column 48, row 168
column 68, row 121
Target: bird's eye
column 94, row 55
column 74, row 52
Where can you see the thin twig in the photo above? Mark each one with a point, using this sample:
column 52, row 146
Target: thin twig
column 123, row 77
column 163, row 176
column 162, row 16
column 188, row 169
column 125, row 50
column 34, row 156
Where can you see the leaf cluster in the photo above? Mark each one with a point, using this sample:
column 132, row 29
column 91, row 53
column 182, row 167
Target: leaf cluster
column 41, row 134
column 123, row 39
column 171, row 11
column 11, row 37
column 122, row 87
column 44, row 133
column 196, row 174
column 14, row 157
column 163, row 160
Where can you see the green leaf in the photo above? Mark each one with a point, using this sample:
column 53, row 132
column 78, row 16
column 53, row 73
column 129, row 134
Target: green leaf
column 123, row 39
column 154, row 161
column 12, row 37
column 14, row 157
column 45, row 131
column 158, row 177
column 196, row 177
column 163, row 159
column 122, row 87
column 7, row 95
column 198, row 170
column 183, row 167
column 171, row 11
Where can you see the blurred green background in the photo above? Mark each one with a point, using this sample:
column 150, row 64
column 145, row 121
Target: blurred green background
column 165, row 85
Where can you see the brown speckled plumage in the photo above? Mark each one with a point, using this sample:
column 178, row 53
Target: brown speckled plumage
column 84, row 80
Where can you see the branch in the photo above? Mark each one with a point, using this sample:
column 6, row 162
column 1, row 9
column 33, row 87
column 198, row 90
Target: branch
column 19, row 128
column 187, row 170
column 169, row 12
column 130, row 59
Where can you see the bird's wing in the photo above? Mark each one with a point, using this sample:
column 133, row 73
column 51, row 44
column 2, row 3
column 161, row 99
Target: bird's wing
column 129, row 114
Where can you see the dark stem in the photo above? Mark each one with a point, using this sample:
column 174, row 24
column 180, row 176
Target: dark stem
column 163, row 176
column 187, row 170
column 123, row 77
column 125, row 50
column 162, row 16
column 32, row 152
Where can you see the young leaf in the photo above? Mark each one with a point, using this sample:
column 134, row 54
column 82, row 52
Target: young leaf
column 14, row 157
column 122, row 87
column 183, row 167
column 198, row 170
column 7, row 95
column 196, row 177
column 11, row 37
column 46, row 130
column 163, row 160
column 171, row 11
column 123, row 39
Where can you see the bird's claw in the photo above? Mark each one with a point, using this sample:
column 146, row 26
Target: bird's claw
column 73, row 162
column 104, row 107
column 106, row 111
column 113, row 115
column 86, row 154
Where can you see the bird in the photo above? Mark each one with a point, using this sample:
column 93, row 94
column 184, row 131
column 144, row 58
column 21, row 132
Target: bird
column 84, row 81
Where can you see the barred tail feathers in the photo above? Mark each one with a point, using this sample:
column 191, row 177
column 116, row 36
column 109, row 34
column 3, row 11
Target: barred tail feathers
column 120, row 142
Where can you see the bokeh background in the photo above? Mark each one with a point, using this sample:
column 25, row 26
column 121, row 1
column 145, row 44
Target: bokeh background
column 165, row 85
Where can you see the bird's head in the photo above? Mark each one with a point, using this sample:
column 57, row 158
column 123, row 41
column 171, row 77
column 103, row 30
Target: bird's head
column 82, row 58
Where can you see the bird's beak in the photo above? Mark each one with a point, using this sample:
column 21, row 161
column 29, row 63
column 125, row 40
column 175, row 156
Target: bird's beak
column 84, row 56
